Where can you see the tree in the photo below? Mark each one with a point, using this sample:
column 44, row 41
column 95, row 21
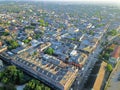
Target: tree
column 35, row 85
column 112, row 32
column 36, row 36
column 106, row 56
column 1, row 75
column 109, row 50
column 20, row 77
column 73, row 39
column 100, row 57
column 26, row 41
column 49, row 51
column 10, row 86
column 38, row 87
column 47, row 88
column 43, row 23
column 12, row 75
column 91, row 32
column 100, row 25
column 5, row 33
column 4, row 80
column 12, row 44
column 30, row 27
column 1, row 88
column 109, row 67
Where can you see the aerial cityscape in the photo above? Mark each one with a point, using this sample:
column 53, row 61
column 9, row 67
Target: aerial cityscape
column 46, row 45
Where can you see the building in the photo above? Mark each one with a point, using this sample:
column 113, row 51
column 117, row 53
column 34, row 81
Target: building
column 2, row 48
column 50, row 71
column 100, row 77
column 115, row 56
column 78, row 59
column 44, row 46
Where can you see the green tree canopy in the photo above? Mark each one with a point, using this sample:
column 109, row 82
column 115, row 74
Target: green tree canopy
column 35, row 85
column 26, row 41
column 112, row 32
column 43, row 23
column 106, row 56
column 5, row 33
column 11, row 75
column 9, row 86
column 109, row 67
column 49, row 51
column 12, row 44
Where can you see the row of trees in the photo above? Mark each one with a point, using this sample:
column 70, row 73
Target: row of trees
column 100, row 25
column 5, row 33
column 35, row 85
column 26, row 41
column 12, row 44
column 11, row 75
column 8, row 86
column 30, row 27
column 112, row 32
column 105, row 56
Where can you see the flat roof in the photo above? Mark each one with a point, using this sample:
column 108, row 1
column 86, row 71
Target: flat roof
column 100, row 77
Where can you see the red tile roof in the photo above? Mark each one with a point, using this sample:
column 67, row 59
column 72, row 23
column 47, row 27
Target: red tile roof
column 116, row 52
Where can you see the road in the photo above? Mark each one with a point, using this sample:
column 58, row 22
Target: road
column 83, row 74
column 92, row 60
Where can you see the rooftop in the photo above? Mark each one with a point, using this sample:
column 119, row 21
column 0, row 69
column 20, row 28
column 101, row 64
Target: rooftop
column 100, row 77
column 116, row 52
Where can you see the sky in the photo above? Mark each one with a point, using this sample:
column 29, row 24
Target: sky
column 88, row 1
column 103, row 1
